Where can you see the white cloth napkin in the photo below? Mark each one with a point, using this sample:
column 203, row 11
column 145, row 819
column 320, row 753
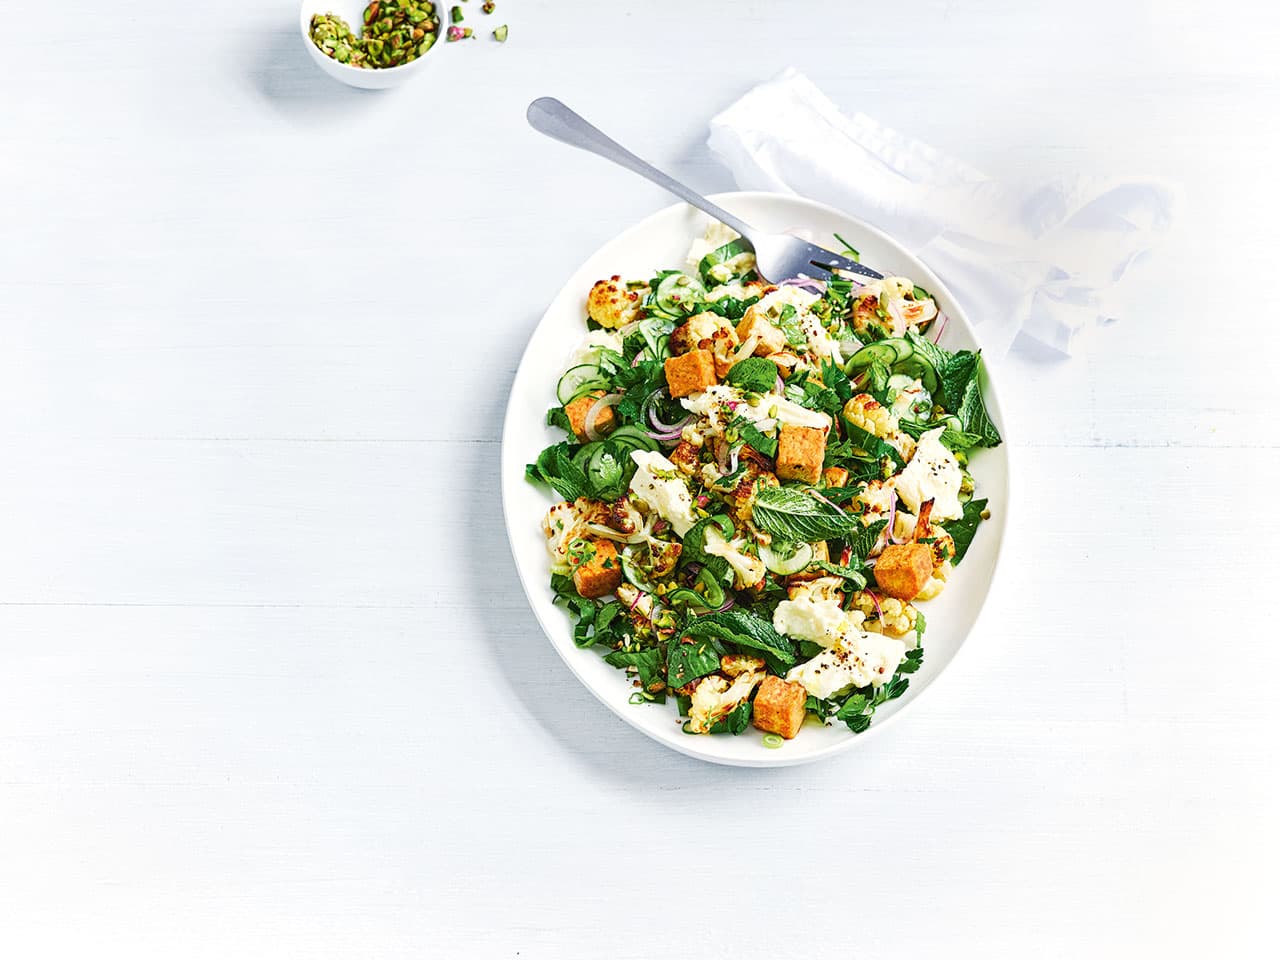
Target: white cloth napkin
column 1034, row 258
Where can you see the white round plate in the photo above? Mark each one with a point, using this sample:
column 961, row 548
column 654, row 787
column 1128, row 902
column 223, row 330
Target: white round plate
column 661, row 242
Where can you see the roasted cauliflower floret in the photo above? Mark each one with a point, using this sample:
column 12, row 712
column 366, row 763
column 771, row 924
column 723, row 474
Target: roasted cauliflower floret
column 732, row 664
column 611, row 304
column 889, row 306
column 714, row 697
column 937, row 583
column 875, row 499
column 562, row 525
column 748, row 570
column 866, row 412
column 647, row 615
column 744, row 495
column 707, row 331
column 623, row 516
column 822, row 588
column 893, row 617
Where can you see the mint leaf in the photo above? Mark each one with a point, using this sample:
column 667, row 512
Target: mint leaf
column 648, row 664
column 789, row 323
column 735, row 721
column 855, row 577
column 752, row 437
column 867, row 446
column 746, row 630
column 754, row 373
column 864, row 539
column 689, row 660
column 793, row 515
column 555, row 468
column 962, row 530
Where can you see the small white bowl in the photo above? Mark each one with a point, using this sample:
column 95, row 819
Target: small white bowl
column 352, row 11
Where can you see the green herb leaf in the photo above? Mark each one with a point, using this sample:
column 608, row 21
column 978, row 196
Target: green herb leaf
column 753, row 438
column 555, row 468
column 789, row 323
column 689, row 660
column 754, row 373
column 794, row 515
column 649, row 665
column 855, row 577
column 746, row 630
column 862, row 540
column 962, row 530
column 731, row 308
column 867, row 446
column 913, row 661
column 735, row 721
column 718, row 266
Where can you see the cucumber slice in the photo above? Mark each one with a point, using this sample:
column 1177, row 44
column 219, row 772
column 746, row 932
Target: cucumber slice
column 685, row 596
column 578, row 380
column 584, row 454
column 633, row 438
column 632, row 573
column 918, row 368
column 889, row 352
column 603, row 468
column 786, row 564
column 679, row 294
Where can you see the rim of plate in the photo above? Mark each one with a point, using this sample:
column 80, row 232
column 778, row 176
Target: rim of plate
column 513, row 475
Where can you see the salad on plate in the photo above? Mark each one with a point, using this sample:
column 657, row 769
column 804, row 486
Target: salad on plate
column 763, row 485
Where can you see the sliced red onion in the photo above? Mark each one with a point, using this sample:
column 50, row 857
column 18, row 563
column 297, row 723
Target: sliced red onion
column 640, row 595
column 726, row 605
column 589, row 424
column 942, row 325
column 895, row 311
column 722, row 457
column 653, row 416
column 879, row 612
column 664, row 436
column 806, row 283
column 733, row 461
column 778, row 385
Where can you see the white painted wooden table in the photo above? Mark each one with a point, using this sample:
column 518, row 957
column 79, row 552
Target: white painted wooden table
column 268, row 687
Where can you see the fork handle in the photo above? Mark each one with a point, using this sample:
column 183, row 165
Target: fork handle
column 549, row 116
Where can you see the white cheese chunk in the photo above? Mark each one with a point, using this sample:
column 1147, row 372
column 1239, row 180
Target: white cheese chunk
column 721, row 404
column 809, row 618
column 857, row 660
column 933, row 474
column 659, row 485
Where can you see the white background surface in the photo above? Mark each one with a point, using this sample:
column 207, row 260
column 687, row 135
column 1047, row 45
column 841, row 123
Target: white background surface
column 268, row 687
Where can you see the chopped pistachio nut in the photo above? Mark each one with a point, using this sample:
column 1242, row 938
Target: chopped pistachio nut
column 454, row 34
column 455, row 14
column 395, row 32
column 487, row 6
column 500, row 34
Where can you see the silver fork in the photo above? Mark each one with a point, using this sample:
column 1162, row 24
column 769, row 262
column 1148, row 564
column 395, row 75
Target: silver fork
column 778, row 256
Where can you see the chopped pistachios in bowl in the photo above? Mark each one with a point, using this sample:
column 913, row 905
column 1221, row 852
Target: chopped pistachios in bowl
column 395, row 32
